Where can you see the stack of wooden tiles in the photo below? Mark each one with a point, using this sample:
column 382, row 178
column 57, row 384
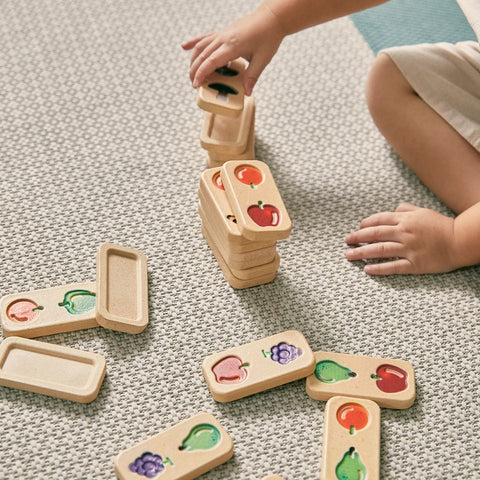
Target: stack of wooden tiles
column 243, row 216
column 228, row 131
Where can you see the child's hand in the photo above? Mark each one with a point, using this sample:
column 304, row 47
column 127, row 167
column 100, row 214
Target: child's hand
column 255, row 38
column 415, row 240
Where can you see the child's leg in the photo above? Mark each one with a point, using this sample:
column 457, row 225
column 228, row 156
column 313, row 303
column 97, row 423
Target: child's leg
column 436, row 152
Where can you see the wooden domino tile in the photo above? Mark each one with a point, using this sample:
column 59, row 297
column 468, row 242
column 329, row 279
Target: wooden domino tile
column 48, row 311
column 254, row 367
column 183, row 452
column 388, row 382
column 122, row 288
column 243, row 260
column 273, row 477
column 215, row 159
column 50, row 369
column 234, row 281
column 227, row 135
column 255, row 200
column 213, row 197
column 351, row 439
column 222, row 92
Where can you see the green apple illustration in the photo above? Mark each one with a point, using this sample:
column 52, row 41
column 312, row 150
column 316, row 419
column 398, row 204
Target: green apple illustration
column 78, row 301
column 328, row 371
column 351, row 467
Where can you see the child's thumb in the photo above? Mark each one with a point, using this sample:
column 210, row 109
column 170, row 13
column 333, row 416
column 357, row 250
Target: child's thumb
column 254, row 70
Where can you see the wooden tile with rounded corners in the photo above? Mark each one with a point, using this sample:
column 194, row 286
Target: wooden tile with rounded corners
column 255, row 200
column 50, row 369
column 228, row 135
column 223, row 92
column 215, row 159
column 212, row 195
column 242, row 260
column 388, row 382
column 182, row 452
column 122, row 288
column 48, row 311
column 273, row 477
column 234, row 281
column 254, row 367
column 351, row 439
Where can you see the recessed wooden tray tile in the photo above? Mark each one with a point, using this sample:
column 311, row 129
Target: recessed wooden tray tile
column 122, row 288
column 227, row 135
column 50, row 369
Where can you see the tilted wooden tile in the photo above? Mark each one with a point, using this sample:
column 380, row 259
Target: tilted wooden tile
column 351, row 439
column 257, row 366
column 388, row 382
column 50, row 369
column 47, row 311
column 213, row 197
column 182, row 452
column 255, row 200
column 227, row 135
column 122, row 288
column 223, row 92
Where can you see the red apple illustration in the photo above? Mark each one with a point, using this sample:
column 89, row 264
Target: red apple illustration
column 230, row 370
column 23, row 310
column 352, row 416
column 217, row 181
column 390, row 379
column 249, row 175
column 264, row 215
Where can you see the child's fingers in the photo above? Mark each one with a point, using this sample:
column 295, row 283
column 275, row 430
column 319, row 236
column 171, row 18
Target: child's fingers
column 383, row 218
column 189, row 44
column 380, row 233
column 221, row 56
column 253, row 72
column 401, row 266
column 406, row 207
column 375, row 250
column 207, row 52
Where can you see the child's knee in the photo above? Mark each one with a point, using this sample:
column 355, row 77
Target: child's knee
column 385, row 86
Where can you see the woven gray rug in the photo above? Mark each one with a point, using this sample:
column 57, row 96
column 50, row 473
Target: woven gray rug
column 99, row 141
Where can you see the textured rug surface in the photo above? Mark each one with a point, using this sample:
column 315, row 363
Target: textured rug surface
column 99, row 141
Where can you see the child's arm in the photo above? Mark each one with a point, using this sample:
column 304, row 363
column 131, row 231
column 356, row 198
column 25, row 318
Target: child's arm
column 257, row 36
column 419, row 239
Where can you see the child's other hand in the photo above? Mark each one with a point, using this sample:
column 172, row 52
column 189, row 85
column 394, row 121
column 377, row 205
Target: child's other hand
column 413, row 239
column 255, row 38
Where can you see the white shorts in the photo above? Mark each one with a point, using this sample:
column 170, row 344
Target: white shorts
column 446, row 77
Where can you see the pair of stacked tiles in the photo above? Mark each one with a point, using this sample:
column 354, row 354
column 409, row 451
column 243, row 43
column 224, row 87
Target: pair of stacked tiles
column 117, row 300
column 228, row 131
column 243, row 216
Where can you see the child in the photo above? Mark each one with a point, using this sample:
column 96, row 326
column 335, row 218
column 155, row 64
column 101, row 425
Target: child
column 425, row 100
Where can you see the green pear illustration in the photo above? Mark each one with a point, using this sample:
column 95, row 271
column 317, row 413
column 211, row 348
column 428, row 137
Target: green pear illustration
column 351, row 467
column 201, row 437
column 78, row 301
column 328, row 371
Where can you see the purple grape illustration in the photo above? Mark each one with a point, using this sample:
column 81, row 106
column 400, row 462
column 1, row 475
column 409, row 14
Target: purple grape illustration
column 148, row 465
column 284, row 353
